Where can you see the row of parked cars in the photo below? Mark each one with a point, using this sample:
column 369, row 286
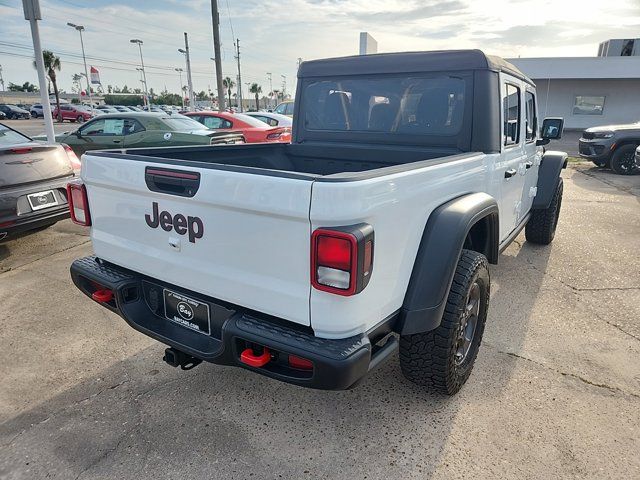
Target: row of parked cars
column 34, row 198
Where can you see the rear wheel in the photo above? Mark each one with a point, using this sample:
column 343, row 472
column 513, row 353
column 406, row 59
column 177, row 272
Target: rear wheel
column 442, row 359
column 623, row 162
column 601, row 163
column 541, row 227
column 80, row 119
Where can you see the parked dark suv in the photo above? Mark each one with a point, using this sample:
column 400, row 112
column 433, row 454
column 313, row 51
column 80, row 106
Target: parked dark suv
column 13, row 112
column 611, row 146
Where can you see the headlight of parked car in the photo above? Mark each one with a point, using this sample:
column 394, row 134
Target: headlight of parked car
column 603, row 135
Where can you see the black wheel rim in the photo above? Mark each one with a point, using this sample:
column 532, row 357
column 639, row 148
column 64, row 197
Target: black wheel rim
column 468, row 324
column 627, row 162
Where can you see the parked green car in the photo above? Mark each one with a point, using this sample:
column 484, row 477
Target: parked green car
column 142, row 129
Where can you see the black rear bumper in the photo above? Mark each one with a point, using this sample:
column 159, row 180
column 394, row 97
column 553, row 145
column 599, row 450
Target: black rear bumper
column 337, row 364
column 16, row 215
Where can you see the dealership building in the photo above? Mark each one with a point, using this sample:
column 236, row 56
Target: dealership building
column 588, row 91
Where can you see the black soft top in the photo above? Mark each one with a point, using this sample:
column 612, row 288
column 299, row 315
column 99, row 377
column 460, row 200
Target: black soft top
column 409, row 62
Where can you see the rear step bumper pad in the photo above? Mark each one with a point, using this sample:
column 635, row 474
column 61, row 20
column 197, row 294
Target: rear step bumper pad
column 337, row 363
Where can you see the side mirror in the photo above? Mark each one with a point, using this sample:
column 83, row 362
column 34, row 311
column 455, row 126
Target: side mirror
column 552, row 128
column 77, row 134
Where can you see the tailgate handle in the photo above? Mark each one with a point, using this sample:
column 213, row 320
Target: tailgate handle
column 172, row 182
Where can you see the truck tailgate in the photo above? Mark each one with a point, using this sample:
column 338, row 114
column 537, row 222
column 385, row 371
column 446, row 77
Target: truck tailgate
column 253, row 249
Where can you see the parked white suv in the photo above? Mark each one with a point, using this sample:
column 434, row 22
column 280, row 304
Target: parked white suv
column 312, row 262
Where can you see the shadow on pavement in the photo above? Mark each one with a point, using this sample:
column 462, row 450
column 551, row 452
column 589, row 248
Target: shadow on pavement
column 140, row 418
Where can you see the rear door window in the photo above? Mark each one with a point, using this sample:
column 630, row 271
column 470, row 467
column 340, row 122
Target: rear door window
column 531, row 120
column 397, row 105
column 511, row 114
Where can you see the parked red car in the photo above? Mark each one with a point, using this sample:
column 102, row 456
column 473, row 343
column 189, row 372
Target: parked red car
column 254, row 130
column 73, row 113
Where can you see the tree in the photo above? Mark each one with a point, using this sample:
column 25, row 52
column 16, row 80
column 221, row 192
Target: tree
column 25, row 87
column 202, row 95
column 256, row 90
column 228, row 84
column 51, row 64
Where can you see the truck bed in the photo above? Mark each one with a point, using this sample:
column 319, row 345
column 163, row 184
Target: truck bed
column 307, row 160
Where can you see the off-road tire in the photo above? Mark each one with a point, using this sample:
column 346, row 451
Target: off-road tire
column 622, row 161
column 541, row 227
column 432, row 359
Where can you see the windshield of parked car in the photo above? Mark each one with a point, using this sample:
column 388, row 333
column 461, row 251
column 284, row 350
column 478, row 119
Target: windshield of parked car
column 411, row 105
column 182, row 123
column 11, row 137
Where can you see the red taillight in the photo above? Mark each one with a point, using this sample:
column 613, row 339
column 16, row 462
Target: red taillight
column 300, row 363
column 73, row 158
column 78, row 204
column 276, row 134
column 334, row 252
column 20, row 150
column 342, row 259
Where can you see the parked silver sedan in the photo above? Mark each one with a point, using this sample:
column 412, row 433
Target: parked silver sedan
column 272, row 119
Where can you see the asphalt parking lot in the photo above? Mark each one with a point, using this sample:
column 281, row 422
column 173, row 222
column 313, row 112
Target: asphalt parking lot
column 555, row 392
column 35, row 126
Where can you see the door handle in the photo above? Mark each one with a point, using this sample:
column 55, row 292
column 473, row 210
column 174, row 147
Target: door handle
column 117, row 141
column 528, row 165
column 510, row 173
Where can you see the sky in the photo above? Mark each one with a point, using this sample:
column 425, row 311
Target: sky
column 275, row 33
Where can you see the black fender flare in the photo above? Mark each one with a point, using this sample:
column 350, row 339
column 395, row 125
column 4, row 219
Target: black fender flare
column 437, row 258
column 548, row 178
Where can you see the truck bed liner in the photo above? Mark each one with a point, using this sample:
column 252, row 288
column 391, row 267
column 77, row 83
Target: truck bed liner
column 309, row 160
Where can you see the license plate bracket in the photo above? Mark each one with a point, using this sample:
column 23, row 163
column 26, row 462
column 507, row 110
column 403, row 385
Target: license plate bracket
column 40, row 200
column 186, row 311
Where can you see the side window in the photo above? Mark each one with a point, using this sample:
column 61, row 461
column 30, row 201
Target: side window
column 214, row 122
column 104, row 127
column 132, row 126
column 93, row 128
column 280, row 108
column 289, row 109
column 531, row 119
column 511, row 114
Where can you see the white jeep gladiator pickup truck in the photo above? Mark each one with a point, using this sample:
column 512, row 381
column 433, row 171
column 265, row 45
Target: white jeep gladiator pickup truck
column 313, row 262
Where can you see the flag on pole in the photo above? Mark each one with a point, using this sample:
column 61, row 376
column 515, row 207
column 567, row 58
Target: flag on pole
column 95, row 75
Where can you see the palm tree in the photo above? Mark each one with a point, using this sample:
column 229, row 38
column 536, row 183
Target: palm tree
column 256, row 90
column 228, row 84
column 51, row 64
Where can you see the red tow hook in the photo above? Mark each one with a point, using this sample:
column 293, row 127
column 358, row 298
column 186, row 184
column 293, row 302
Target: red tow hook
column 249, row 358
column 102, row 296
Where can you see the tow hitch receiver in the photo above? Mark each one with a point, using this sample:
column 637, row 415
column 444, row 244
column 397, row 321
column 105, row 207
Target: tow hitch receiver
column 249, row 357
column 176, row 358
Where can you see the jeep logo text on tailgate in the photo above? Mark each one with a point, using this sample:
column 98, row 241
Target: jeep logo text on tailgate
column 179, row 223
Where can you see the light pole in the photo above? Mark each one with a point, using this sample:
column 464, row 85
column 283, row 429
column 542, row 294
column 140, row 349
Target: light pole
column 144, row 75
column 32, row 13
column 215, row 75
column 270, row 88
column 80, row 29
column 284, row 86
column 142, row 83
column 179, row 70
column 185, row 52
